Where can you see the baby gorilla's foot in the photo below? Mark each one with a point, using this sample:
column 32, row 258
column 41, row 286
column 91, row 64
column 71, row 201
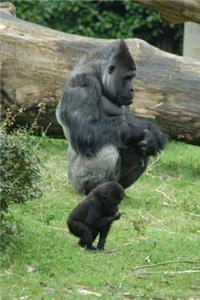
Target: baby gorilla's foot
column 81, row 244
column 90, row 248
column 101, row 248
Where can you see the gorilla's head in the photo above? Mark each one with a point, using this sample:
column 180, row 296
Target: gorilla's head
column 110, row 193
column 118, row 70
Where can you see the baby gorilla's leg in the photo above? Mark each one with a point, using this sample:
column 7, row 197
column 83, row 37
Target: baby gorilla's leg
column 103, row 236
column 95, row 232
column 87, row 239
column 82, row 231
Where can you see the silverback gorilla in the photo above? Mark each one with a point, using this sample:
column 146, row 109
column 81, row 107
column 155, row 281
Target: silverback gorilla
column 106, row 142
column 94, row 215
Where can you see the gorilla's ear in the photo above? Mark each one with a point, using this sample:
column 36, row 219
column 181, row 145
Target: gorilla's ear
column 122, row 56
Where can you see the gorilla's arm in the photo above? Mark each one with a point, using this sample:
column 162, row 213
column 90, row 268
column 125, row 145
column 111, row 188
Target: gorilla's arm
column 144, row 136
column 104, row 230
column 94, row 220
column 80, row 111
column 107, row 220
column 86, row 113
column 154, row 141
column 103, row 236
column 81, row 97
column 140, row 134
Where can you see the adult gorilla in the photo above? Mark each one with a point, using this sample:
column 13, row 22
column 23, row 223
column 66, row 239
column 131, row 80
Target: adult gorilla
column 106, row 142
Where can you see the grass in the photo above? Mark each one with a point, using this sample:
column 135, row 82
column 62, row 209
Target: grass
column 160, row 223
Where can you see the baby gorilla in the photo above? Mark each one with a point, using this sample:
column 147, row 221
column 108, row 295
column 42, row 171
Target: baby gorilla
column 95, row 214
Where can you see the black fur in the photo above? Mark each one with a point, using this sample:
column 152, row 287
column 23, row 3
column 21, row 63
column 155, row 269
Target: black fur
column 94, row 215
column 94, row 111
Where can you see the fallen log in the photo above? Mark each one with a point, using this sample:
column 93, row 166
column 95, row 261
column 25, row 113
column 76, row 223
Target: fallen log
column 176, row 11
column 8, row 8
column 35, row 62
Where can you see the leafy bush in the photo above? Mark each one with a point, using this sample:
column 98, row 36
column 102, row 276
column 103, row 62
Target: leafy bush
column 20, row 167
column 103, row 19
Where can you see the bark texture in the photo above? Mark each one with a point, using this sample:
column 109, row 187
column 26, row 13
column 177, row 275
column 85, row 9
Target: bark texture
column 176, row 11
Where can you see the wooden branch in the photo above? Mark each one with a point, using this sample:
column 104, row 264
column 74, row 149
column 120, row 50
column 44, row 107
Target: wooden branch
column 176, row 11
column 35, row 62
column 172, row 272
column 191, row 214
column 186, row 261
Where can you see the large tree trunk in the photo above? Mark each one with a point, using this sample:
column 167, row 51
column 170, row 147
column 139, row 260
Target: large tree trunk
column 35, row 62
column 176, row 11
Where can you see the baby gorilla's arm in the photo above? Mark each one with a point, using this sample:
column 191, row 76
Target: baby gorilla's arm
column 104, row 230
column 107, row 220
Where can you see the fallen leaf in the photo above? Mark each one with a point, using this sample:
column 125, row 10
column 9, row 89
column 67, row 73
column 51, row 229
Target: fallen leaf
column 30, row 269
column 83, row 291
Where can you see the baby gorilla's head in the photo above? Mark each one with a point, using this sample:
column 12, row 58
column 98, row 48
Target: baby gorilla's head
column 110, row 193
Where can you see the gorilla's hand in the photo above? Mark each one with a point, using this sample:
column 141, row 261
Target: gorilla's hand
column 153, row 142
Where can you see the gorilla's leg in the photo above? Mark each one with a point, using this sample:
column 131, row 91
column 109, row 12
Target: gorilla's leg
column 103, row 236
column 85, row 173
column 95, row 232
column 83, row 232
column 87, row 239
column 131, row 175
column 76, row 228
column 132, row 166
column 82, row 241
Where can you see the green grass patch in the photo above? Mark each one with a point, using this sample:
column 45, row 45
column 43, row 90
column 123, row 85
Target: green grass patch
column 160, row 223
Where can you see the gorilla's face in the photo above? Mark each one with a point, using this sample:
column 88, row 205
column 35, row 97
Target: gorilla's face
column 120, row 87
column 118, row 73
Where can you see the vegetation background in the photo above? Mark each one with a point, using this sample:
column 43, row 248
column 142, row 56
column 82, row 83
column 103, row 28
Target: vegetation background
column 103, row 19
column 159, row 231
column 159, row 224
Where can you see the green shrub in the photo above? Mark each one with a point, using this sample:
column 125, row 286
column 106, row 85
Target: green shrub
column 102, row 19
column 20, row 168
